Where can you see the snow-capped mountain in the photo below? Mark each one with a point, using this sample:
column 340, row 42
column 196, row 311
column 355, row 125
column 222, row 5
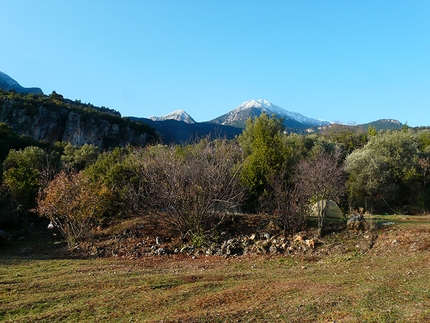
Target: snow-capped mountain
column 253, row 108
column 7, row 83
column 179, row 115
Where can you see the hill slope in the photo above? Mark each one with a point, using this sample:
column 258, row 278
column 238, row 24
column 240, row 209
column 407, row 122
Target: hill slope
column 383, row 124
column 9, row 84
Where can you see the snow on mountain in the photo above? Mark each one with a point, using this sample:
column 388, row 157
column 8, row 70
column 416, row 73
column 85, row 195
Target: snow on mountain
column 7, row 83
column 179, row 115
column 253, row 108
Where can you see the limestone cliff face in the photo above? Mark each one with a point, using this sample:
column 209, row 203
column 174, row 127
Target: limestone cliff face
column 46, row 125
column 60, row 123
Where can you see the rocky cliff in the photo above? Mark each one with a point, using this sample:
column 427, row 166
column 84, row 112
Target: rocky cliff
column 53, row 118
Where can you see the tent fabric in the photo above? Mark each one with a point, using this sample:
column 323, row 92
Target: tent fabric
column 333, row 210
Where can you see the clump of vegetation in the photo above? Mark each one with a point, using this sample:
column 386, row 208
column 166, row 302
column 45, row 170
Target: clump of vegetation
column 321, row 178
column 192, row 190
column 25, row 172
column 74, row 205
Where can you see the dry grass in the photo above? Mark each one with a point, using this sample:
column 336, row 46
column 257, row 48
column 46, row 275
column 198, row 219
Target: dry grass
column 388, row 283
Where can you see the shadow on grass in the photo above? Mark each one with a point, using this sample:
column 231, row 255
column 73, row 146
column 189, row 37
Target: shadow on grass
column 34, row 241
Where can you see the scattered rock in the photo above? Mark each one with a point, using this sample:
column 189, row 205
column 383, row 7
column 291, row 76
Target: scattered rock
column 265, row 235
column 273, row 249
column 161, row 251
column 310, row 243
column 298, row 238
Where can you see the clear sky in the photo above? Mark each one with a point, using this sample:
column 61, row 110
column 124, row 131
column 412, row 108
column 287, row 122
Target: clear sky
column 346, row 61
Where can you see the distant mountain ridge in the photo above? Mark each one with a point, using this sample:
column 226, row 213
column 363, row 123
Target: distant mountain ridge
column 383, row 124
column 232, row 123
column 110, row 129
column 179, row 126
column 174, row 131
column 9, row 84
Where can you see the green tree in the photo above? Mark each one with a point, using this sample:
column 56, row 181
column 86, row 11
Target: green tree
column 424, row 168
column 77, row 158
column 5, row 133
column 263, row 142
column 370, row 180
column 371, row 131
column 350, row 138
column 10, row 140
column 388, row 163
column 117, row 170
column 23, row 172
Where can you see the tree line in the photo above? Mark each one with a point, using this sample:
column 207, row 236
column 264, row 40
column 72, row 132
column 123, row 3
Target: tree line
column 193, row 189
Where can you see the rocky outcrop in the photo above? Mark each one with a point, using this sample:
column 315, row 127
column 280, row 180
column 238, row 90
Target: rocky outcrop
column 51, row 120
column 44, row 125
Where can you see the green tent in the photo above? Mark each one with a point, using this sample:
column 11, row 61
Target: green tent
column 332, row 211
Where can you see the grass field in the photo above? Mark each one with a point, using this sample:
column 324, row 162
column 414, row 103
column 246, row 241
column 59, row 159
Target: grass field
column 388, row 283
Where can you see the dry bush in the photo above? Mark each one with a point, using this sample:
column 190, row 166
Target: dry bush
column 73, row 204
column 190, row 189
column 289, row 207
column 321, row 178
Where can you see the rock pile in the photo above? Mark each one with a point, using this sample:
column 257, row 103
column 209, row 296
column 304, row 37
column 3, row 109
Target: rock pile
column 130, row 243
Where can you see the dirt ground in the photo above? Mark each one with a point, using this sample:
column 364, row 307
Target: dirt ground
column 398, row 234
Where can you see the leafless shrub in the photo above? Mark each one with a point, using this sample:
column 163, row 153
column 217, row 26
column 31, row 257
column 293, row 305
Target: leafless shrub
column 286, row 204
column 190, row 189
column 321, row 178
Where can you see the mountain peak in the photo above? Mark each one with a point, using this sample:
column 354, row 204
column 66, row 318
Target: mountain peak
column 254, row 108
column 9, row 84
column 255, row 103
column 179, row 115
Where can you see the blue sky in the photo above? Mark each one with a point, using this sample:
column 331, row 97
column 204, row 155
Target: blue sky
column 344, row 61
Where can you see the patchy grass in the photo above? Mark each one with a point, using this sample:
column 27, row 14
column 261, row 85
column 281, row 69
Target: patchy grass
column 386, row 283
